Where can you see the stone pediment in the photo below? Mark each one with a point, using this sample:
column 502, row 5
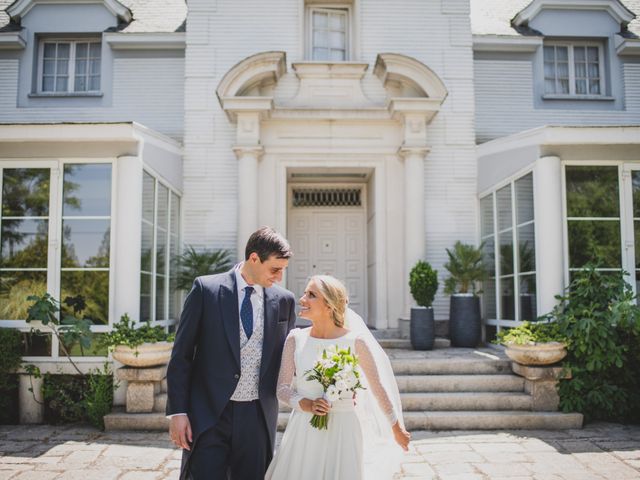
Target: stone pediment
column 331, row 89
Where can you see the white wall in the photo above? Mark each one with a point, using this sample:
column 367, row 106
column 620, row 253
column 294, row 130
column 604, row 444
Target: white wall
column 505, row 101
column 222, row 34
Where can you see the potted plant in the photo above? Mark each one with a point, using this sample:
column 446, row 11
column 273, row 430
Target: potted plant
column 193, row 263
column 466, row 269
column 145, row 346
column 539, row 343
column 423, row 284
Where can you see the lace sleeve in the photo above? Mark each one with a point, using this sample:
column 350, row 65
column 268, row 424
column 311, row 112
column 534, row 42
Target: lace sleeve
column 285, row 391
column 368, row 366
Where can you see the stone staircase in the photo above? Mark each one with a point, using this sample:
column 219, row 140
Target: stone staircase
column 462, row 389
column 441, row 389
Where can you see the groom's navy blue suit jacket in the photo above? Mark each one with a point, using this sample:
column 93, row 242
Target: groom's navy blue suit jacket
column 205, row 363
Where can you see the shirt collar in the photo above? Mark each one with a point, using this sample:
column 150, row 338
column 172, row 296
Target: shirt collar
column 242, row 283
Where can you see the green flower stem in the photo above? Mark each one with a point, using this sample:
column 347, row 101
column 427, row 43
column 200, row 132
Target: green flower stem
column 319, row 421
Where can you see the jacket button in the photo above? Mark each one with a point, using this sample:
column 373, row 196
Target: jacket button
column 236, row 376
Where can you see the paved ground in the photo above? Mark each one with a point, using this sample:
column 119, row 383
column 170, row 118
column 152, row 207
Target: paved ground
column 599, row 451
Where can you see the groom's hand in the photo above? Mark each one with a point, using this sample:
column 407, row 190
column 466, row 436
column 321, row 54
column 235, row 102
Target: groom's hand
column 180, row 431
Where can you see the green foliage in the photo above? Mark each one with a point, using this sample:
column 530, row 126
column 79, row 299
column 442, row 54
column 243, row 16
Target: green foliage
column 125, row 333
column 423, row 283
column 600, row 318
column 466, row 268
column 10, row 359
column 64, row 398
column 99, row 395
column 70, row 330
column 529, row 333
column 193, row 263
column 75, row 398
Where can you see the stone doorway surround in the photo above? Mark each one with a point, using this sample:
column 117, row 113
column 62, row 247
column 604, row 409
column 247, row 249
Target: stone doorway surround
column 329, row 121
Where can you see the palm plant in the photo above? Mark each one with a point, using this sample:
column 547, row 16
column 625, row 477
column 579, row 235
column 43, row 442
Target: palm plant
column 193, row 263
column 466, row 267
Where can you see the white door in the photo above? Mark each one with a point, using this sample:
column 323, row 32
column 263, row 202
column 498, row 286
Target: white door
column 327, row 234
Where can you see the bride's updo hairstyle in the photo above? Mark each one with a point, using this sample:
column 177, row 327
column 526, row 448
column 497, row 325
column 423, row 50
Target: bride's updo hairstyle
column 335, row 296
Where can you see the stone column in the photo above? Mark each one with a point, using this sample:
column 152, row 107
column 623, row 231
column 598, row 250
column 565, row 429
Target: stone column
column 414, row 210
column 31, row 404
column 128, row 239
column 547, row 194
column 248, row 157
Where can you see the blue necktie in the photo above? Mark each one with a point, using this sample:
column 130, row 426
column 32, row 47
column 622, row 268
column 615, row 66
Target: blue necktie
column 246, row 312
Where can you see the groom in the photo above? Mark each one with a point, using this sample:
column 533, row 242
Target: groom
column 224, row 366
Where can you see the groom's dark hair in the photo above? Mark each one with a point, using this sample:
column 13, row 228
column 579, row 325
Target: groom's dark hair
column 267, row 242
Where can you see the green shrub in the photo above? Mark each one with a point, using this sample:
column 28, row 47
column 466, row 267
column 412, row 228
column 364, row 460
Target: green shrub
column 10, row 359
column 423, row 283
column 529, row 333
column 600, row 318
column 63, row 397
column 99, row 395
column 125, row 333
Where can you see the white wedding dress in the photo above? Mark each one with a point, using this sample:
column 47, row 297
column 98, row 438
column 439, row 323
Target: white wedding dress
column 338, row 452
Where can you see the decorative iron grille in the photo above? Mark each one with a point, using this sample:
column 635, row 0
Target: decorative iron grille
column 327, row 197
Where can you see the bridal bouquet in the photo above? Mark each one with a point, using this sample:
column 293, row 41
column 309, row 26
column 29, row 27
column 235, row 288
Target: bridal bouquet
column 336, row 371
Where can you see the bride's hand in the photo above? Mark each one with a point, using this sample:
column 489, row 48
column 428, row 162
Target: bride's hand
column 402, row 437
column 319, row 406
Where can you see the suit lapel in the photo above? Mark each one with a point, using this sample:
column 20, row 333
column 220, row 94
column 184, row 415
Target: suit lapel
column 230, row 314
column 270, row 322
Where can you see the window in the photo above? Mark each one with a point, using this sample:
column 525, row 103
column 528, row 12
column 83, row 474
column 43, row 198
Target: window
column 573, row 69
column 86, row 234
column 593, row 217
column 159, row 295
column 24, row 238
column 69, row 66
column 329, row 34
column 55, row 232
column 507, row 231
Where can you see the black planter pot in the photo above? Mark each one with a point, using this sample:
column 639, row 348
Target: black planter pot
column 464, row 320
column 422, row 328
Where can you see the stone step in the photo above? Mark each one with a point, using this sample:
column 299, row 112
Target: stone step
column 402, row 343
column 160, row 403
column 448, row 401
column 491, row 420
column 460, row 383
column 448, row 366
column 465, row 401
column 120, row 420
column 481, row 420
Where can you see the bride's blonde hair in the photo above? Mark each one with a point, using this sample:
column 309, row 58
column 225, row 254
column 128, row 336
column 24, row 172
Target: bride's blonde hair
column 335, row 296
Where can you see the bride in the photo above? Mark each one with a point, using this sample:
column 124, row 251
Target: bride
column 358, row 442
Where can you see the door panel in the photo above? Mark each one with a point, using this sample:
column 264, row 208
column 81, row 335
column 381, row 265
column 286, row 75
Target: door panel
column 329, row 240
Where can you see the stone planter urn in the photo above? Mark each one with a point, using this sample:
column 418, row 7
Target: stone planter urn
column 145, row 355
column 537, row 353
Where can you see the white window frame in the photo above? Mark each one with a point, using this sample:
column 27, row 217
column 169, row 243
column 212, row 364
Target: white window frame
column 349, row 30
column 572, row 76
column 500, row 322
column 72, row 65
column 54, row 267
column 166, row 321
column 622, row 219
